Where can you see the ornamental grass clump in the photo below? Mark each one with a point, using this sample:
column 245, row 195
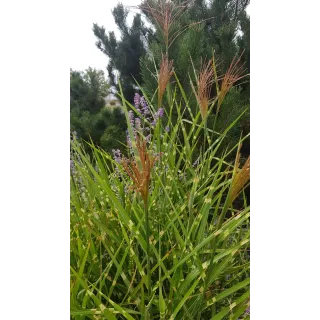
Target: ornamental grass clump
column 156, row 234
column 139, row 171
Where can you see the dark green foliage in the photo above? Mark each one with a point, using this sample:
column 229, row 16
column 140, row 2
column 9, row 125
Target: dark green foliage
column 87, row 90
column 233, row 105
column 88, row 115
column 124, row 54
column 244, row 40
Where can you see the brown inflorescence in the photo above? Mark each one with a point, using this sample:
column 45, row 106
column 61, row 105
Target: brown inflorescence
column 165, row 13
column 165, row 73
column 234, row 73
column 240, row 180
column 140, row 173
column 204, row 84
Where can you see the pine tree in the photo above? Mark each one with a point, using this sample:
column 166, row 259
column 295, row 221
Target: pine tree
column 124, row 54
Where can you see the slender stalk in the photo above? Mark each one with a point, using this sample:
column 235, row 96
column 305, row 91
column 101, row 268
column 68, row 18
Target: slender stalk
column 205, row 129
column 148, row 245
column 203, row 161
column 143, row 307
column 214, row 124
column 205, row 135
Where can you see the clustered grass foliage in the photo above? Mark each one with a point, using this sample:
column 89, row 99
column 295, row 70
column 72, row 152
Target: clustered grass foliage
column 157, row 234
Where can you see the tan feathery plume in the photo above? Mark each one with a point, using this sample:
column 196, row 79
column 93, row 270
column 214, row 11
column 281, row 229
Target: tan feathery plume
column 140, row 176
column 240, row 180
column 204, row 84
column 165, row 13
column 234, row 73
column 165, row 73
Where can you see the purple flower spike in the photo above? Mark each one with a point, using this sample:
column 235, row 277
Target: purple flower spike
column 167, row 129
column 161, row 112
column 116, row 155
column 131, row 117
column 145, row 110
column 143, row 102
column 128, row 139
column 137, row 122
column 136, row 100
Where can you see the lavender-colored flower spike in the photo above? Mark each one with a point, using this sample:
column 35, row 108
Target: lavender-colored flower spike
column 144, row 107
column 167, row 129
column 136, row 100
column 143, row 102
column 161, row 112
column 131, row 118
column 116, row 155
column 146, row 110
column 137, row 122
column 128, row 139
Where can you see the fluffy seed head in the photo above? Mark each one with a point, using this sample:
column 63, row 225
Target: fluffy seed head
column 204, row 84
column 165, row 73
column 140, row 174
column 240, row 180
